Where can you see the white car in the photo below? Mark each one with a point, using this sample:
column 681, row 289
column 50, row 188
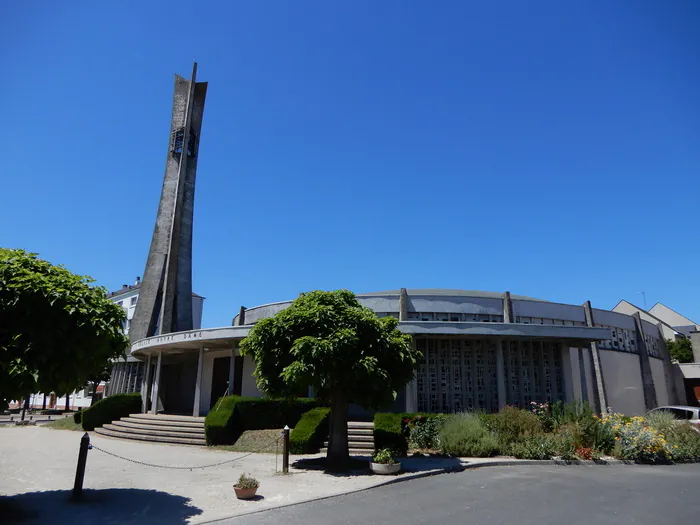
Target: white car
column 684, row 414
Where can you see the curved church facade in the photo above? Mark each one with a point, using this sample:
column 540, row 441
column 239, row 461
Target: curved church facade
column 481, row 351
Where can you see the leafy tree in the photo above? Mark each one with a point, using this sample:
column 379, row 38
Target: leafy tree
column 56, row 331
column 680, row 350
column 328, row 341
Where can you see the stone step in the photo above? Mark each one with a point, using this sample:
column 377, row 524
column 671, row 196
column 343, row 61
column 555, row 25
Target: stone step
column 360, row 424
column 147, row 432
column 151, row 438
column 145, row 425
column 365, row 445
column 360, row 431
column 353, row 452
column 168, row 420
column 171, row 417
column 360, row 437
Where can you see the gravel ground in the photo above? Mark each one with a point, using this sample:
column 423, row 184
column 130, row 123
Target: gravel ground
column 38, row 470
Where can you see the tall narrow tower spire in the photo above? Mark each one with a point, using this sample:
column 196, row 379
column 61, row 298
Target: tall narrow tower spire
column 165, row 299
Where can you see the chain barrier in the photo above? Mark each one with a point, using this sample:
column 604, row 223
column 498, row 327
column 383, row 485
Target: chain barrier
column 171, row 467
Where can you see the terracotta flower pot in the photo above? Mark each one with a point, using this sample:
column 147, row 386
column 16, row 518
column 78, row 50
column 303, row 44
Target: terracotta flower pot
column 245, row 493
column 385, row 468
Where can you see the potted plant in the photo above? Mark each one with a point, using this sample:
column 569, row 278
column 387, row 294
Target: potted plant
column 246, row 487
column 383, row 462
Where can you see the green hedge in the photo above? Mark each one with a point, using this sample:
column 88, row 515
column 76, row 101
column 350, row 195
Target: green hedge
column 232, row 415
column 388, row 432
column 309, row 433
column 110, row 409
column 78, row 417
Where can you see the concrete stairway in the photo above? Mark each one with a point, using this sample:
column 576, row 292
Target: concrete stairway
column 161, row 428
column 360, row 438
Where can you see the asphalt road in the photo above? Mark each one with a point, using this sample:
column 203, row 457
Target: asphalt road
column 537, row 495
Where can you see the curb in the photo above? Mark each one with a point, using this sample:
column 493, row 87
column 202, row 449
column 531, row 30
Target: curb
column 447, row 470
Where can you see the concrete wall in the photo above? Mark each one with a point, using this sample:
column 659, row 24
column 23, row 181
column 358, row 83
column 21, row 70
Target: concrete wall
column 576, row 374
column 249, row 387
column 588, row 367
column 207, row 372
column 657, row 372
column 456, row 304
column 564, row 312
column 623, row 382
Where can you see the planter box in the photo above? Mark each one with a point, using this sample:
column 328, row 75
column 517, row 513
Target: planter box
column 245, row 493
column 385, row 468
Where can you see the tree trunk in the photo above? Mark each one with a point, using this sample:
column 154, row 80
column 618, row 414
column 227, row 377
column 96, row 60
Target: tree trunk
column 43, row 403
column 94, row 392
column 67, row 402
column 338, row 456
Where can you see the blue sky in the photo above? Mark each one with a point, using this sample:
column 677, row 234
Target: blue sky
column 547, row 148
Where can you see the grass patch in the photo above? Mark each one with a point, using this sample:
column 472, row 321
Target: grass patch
column 255, row 441
column 65, row 423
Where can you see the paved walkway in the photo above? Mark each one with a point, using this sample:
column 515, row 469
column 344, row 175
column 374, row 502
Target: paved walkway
column 37, row 468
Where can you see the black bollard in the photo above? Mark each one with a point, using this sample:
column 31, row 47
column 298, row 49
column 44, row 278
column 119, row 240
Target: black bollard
column 80, row 471
column 285, row 450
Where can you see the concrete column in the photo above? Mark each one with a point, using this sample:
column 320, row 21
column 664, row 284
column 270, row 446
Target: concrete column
column 567, row 373
column 119, row 378
column 600, row 398
column 198, row 383
column 582, row 373
column 146, row 386
column 500, row 375
column 644, row 365
column 671, row 392
column 156, row 384
column 232, row 370
column 412, row 396
column 241, row 316
column 507, row 309
column 403, row 305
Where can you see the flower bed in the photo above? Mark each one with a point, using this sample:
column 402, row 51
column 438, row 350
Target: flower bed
column 561, row 430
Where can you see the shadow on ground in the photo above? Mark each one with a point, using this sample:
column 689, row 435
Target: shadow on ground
column 360, row 466
column 106, row 507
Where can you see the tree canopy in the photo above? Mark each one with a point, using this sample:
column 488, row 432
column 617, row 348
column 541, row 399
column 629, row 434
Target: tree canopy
column 57, row 332
column 680, row 350
column 328, row 341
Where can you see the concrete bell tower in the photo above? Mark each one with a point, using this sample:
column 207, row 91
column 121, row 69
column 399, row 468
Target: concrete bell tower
column 165, row 299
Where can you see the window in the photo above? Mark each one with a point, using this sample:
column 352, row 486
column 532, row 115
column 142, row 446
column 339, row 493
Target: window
column 133, row 301
column 121, row 303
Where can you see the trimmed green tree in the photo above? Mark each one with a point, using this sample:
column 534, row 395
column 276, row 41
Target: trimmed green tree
column 328, row 341
column 680, row 350
column 57, row 332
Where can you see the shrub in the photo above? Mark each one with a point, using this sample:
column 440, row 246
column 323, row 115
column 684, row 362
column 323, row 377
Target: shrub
column 78, row 417
column 247, row 482
column 233, row 415
column 388, row 432
column 635, row 440
column 465, row 435
column 110, row 409
column 384, row 456
column 663, row 422
column 537, row 447
column 512, row 425
column 564, row 413
column 423, row 430
column 684, row 443
column 308, row 434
